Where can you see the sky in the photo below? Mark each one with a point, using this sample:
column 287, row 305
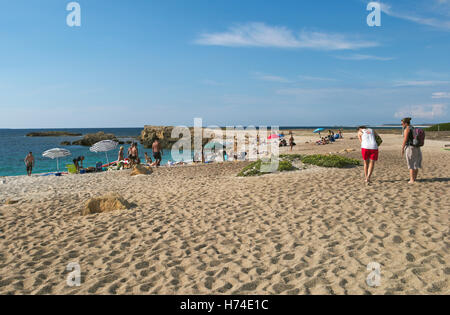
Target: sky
column 233, row 62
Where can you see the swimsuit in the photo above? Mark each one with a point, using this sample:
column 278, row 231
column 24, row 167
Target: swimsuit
column 157, row 155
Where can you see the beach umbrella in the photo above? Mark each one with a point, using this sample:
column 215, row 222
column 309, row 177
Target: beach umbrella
column 319, row 130
column 104, row 146
column 56, row 154
column 273, row 137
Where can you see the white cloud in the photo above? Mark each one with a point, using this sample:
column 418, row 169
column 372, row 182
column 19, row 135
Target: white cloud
column 271, row 78
column 438, row 95
column 212, row 83
column 262, row 35
column 419, row 83
column 422, row 111
column 311, row 78
column 433, row 22
column 359, row 57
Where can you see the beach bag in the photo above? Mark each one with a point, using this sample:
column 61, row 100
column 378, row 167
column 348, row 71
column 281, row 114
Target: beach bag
column 378, row 140
column 418, row 137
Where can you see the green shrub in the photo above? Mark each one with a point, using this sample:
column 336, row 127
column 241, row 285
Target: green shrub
column 290, row 157
column 254, row 169
column 285, row 163
column 285, row 166
column 441, row 127
column 329, row 161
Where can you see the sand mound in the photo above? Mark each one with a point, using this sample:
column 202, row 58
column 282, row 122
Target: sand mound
column 107, row 203
column 141, row 170
column 11, row 202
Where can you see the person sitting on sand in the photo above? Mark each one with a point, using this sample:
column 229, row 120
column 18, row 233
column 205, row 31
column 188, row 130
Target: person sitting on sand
column 78, row 162
column 29, row 163
column 322, row 141
column 157, row 152
column 413, row 154
column 148, row 159
column 369, row 150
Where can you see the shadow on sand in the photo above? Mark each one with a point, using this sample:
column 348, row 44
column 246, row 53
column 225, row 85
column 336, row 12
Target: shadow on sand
column 424, row 180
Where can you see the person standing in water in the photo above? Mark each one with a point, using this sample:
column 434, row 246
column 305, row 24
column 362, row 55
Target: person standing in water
column 369, row 150
column 157, row 152
column 413, row 154
column 29, row 163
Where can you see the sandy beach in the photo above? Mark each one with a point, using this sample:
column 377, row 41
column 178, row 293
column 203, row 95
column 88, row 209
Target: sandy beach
column 202, row 230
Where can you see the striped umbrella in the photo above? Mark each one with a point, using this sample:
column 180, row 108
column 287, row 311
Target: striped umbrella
column 56, row 154
column 104, row 146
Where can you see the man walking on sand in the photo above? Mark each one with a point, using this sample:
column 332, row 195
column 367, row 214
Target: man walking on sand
column 157, row 152
column 369, row 149
column 29, row 163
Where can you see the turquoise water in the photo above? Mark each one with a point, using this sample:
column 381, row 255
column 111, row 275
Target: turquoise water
column 14, row 146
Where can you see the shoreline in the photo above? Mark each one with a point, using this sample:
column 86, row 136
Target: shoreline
column 306, row 135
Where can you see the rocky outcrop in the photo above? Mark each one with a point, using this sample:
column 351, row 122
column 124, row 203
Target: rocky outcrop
column 53, row 134
column 91, row 139
column 108, row 203
column 164, row 134
column 65, row 143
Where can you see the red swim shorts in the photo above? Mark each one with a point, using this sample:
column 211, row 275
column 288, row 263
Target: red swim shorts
column 370, row 154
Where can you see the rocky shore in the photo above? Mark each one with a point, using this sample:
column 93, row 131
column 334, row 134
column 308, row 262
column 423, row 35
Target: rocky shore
column 92, row 138
column 164, row 134
column 53, row 134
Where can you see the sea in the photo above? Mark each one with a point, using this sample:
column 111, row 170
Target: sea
column 15, row 145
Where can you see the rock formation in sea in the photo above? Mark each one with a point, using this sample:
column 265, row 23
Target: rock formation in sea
column 92, row 138
column 164, row 134
column 53, row 134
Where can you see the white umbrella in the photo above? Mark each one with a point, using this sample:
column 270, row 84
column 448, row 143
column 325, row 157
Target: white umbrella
column 104, row 146
column 56, row 154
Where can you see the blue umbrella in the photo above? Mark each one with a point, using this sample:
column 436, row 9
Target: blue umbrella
column 319, row 130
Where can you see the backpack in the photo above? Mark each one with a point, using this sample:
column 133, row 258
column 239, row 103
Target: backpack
column 418, row 137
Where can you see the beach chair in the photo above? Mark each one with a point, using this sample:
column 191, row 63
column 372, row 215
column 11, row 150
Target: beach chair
column 71, row 169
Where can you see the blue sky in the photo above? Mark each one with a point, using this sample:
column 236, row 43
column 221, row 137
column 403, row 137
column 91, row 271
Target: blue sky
column 248, row 62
